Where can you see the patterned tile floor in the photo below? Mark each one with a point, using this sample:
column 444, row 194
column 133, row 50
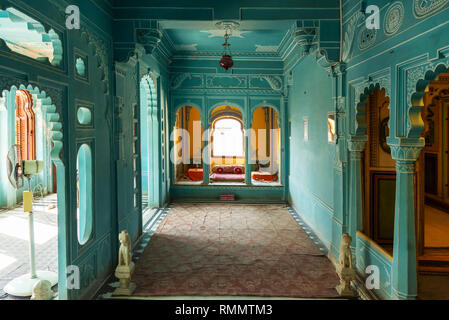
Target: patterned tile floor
column 14, row 249
column 233, row 250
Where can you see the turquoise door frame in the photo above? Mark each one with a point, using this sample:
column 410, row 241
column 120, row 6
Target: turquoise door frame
column 151, row 145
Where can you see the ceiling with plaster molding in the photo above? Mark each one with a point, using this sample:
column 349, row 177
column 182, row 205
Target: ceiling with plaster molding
column 267, row 29
column 254, row 37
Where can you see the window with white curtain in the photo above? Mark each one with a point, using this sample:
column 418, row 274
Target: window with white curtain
column 227, row 138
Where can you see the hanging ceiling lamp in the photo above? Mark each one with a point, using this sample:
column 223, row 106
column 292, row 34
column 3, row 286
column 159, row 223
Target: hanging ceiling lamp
column 226, row 61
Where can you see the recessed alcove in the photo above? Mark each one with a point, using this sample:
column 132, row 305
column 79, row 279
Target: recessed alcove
column 84, row 116
column 84, row 194
column 80, row 67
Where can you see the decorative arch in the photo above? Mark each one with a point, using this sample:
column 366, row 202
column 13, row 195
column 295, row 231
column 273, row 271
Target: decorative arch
column 186, row 104
column 39, row 45
column 213, row 129
column 52, row 119
column 224, row 103
column 418, row 85
column 147, row 83
column 361, row 98
column 25, row 125
column 261, row 105
column 53, row 124
column 237, row 115
column 150, row 144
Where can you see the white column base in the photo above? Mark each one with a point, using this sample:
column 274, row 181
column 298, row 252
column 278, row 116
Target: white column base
column 23, row 286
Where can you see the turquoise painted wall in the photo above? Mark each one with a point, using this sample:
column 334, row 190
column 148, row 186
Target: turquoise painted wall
column 311, row 176
column 61, row 92
column 320, row 179
column 399, row 54
column 131, row 110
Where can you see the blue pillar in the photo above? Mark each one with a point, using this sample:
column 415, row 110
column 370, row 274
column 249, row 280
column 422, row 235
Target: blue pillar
column 404, row 270
column 205, row 152
column 247, row 120
column 356, row 146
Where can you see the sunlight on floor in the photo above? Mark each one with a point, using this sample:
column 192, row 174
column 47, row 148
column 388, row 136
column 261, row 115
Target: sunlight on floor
column 18, row 228
column 436, row 228
column 5, row 261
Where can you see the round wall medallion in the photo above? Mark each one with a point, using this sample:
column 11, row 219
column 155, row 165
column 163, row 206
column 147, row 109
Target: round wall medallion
column 366, row 38
column 394, row 18
column 425, row 7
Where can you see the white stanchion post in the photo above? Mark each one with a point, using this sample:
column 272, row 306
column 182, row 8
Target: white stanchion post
column 23, row 286
column 32, row 252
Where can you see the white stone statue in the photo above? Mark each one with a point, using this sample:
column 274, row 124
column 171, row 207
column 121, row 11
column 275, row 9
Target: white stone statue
column 125, row 266
column 42, row 290
column 125, row 252
column 345, row 271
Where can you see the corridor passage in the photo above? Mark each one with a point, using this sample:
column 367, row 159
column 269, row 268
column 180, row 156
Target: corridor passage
column 233, row 250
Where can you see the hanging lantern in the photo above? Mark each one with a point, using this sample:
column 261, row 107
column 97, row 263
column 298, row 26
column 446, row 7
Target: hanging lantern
column 226, row 61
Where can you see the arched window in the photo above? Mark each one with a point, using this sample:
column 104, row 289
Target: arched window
column 25, row 125
column 227, row 138
column 84, row 193
column 26, row 36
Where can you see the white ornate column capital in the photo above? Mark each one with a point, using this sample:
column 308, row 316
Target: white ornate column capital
column 407, row 150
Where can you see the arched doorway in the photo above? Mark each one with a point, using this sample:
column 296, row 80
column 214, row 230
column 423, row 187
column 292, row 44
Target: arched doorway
column 188, row 146
column 227, row 146
column 378, row 173
column 149, row 145
column 29, row 120
column 265, row 147
column 433, row 177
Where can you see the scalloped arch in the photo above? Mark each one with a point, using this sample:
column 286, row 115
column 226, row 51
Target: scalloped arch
column 415, row 121
column 360, row 121
column 34, row 42
column 53, row 119
column 147, row 82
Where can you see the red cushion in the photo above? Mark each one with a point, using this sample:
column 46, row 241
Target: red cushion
column 227, row 177
column 238, row 170
column 227, row 168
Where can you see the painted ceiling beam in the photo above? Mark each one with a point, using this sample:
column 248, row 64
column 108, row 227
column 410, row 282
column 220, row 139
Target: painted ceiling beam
column 201, row 10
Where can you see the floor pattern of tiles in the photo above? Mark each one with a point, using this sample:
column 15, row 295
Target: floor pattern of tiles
column 232, row 250
column 14, row 239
